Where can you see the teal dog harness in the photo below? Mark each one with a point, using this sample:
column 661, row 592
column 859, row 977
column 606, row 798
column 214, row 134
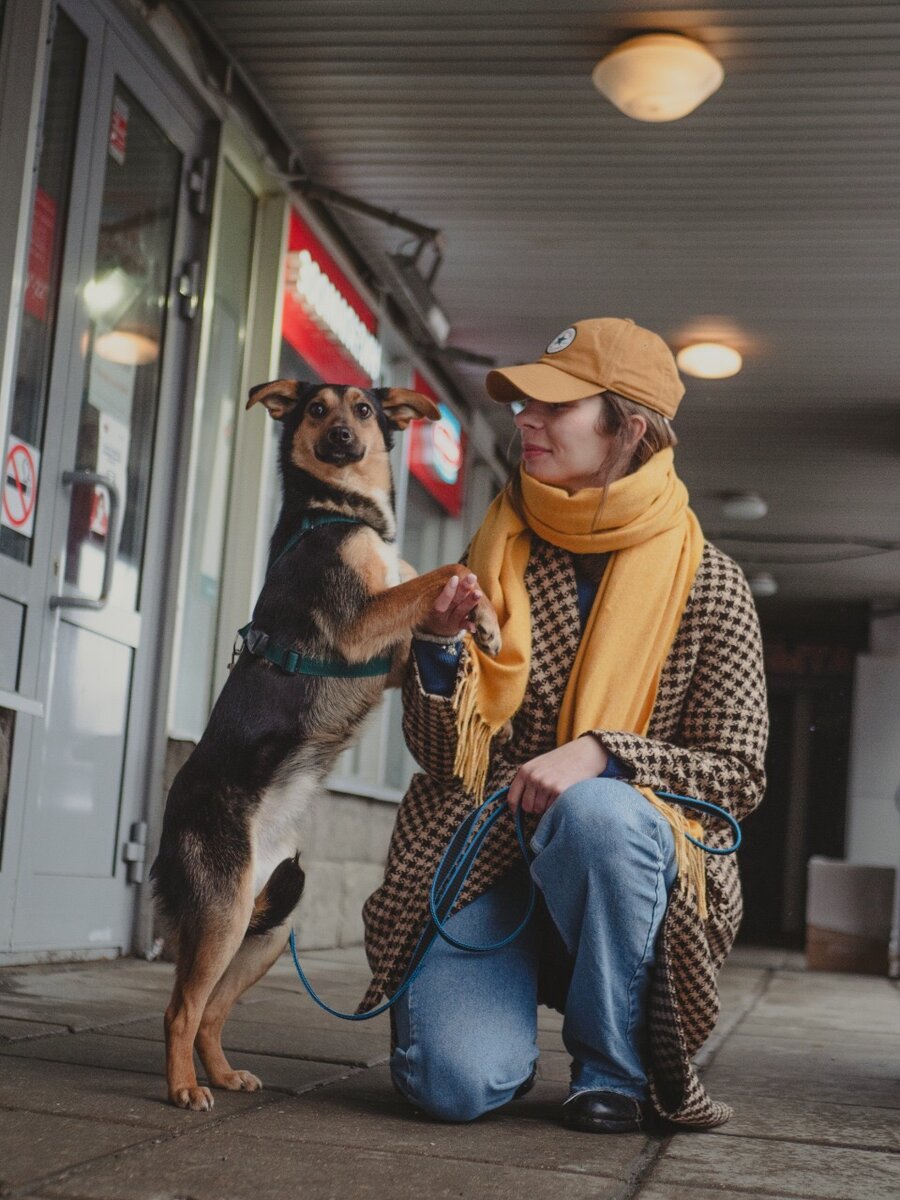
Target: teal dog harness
column 261, row 645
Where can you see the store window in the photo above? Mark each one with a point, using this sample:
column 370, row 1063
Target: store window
column 220, row 396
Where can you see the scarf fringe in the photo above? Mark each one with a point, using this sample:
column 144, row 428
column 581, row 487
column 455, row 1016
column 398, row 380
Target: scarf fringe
column 689, row 859
column 474, row 734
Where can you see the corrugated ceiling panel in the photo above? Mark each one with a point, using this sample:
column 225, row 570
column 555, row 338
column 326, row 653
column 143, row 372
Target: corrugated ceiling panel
column 775, row 208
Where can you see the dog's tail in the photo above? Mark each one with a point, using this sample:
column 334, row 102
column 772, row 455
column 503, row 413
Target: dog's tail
column 279, row 897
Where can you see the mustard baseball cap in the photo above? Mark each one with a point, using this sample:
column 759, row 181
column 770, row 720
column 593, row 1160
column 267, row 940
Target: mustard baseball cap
column 602, row 354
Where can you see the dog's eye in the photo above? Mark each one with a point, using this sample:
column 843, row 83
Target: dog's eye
column 364, row 410
column 316, row 409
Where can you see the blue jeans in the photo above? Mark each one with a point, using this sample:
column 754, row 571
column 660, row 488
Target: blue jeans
column 466, row 1031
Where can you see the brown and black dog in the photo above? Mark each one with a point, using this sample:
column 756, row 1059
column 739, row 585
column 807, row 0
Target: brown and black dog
column 227, row 876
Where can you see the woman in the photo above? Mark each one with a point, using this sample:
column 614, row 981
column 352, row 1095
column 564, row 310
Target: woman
column 631, row 661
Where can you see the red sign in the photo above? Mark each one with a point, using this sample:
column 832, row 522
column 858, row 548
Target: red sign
column 437, row 453
column 324, row 318
column 118, row 130
column 20, row 487
column 40, row 255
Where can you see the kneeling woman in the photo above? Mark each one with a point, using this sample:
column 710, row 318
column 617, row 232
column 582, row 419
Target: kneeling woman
column 631, row 661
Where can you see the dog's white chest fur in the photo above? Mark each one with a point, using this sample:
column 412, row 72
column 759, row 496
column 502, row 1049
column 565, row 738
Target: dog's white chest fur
column 387, row 552
column 278, row 824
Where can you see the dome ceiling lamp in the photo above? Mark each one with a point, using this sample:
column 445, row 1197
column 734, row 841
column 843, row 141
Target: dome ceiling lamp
column 658, row 76
column 763, row 584
column 709, row 360
column 743, row 506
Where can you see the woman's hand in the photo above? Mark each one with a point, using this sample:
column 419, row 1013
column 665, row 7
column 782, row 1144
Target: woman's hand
column 450, row 614
column 539, row 782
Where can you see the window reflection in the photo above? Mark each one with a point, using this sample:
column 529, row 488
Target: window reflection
column 126, row 303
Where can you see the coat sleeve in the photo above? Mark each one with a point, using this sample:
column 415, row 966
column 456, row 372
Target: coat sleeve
column 718, row 751
column 429, row 723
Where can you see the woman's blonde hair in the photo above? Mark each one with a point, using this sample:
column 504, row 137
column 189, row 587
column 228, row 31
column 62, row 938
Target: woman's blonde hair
column 627, row 455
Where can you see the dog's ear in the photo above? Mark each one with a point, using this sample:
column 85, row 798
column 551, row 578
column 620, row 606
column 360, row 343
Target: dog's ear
column 401, row 405
column 280, row 396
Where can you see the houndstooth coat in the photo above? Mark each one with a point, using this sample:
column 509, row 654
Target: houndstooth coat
column 706, row 738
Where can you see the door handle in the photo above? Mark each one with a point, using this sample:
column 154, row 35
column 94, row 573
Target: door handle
column 94, row 479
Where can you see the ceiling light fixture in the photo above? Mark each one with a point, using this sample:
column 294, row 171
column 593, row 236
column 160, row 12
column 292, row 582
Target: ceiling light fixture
column 743, row 506
column 129, row 346
column 763, row 584
column 709, row 360
column 658, row 76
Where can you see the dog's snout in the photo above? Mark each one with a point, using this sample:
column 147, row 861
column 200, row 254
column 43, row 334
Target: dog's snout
column 340, row 435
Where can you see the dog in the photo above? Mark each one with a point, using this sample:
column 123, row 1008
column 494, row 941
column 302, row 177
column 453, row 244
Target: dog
column 227, row 876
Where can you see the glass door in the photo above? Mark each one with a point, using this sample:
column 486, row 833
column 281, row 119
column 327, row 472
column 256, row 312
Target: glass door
column 111, row 367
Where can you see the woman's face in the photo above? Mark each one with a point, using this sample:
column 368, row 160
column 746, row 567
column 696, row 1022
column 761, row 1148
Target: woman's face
column 562, row 444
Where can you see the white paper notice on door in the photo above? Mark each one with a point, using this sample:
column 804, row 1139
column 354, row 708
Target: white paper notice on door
column 111, row 386
column 112, row 460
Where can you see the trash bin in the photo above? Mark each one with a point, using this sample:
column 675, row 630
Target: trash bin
column 848, row 916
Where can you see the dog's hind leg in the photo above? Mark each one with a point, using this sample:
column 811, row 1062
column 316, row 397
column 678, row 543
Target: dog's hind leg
column 253, row 959
column 204, row 955
column 265, row 940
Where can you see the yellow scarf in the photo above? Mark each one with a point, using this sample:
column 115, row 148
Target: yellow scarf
column 657, row 543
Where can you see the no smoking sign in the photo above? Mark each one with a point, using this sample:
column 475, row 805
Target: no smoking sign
column 20, row 484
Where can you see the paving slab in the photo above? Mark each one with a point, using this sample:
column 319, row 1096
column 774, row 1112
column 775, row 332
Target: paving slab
column 673, row 1191
column 888, row 1042
column 34, row 1145
column 802, row 1071
column 365, row 1112
column 554, row 1066
column 296, row 1008
column 800, row 1020
column 17, row 1030
column 339, row 1043
column 827, row 1001
column 148, row 1058
column 225, row 1165
column 785, row 1119
column 790, row 1055
column 549, row 1019
column 741, row 1165
column 772, row 958
column 742, row 1084
column 83, row 1015
column 98, row 1093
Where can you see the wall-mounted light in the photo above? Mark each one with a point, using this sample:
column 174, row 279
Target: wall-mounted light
column 709, row 360
column 743, row 506
column 658, row 76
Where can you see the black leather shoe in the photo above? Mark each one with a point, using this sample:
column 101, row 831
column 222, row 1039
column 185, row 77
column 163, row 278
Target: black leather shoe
column 524, row 1088
column 603, row 1112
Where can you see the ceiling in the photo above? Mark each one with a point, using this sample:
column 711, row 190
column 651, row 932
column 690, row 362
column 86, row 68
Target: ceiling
column 771, row 214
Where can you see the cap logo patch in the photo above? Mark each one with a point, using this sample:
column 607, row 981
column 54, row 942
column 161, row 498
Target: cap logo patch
column 561, row 341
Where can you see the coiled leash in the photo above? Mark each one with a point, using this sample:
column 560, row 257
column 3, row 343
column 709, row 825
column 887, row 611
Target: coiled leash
column 453, row 871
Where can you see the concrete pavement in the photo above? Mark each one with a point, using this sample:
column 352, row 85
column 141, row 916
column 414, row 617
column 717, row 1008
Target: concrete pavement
column 810, row 1062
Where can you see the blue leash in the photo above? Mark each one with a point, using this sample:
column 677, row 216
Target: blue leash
column 450, row 878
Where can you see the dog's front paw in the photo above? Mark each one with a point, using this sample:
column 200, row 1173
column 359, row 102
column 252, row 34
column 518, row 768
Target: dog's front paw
column 487, row 628
column 238, row 1081
column 197, row 1099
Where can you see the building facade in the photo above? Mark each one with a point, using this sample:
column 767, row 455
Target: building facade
column 153, row 269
